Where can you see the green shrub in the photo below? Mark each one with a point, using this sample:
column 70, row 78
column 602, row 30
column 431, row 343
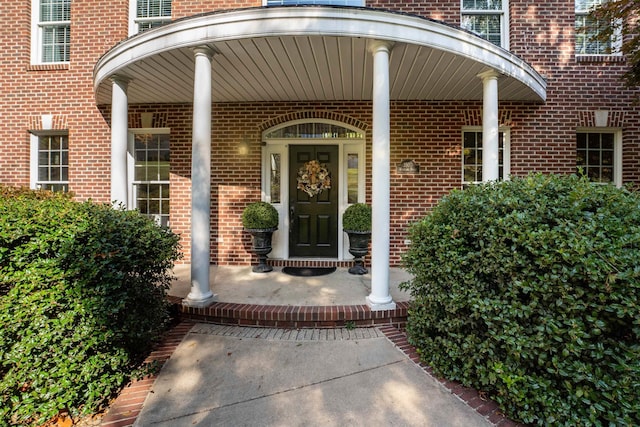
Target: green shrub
column 357, row 217
column 82, row 299
column 530, row 290
column 260, row 216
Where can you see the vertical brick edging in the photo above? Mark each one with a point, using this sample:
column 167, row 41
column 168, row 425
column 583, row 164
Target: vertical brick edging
column 125, row 409
column 485, row 407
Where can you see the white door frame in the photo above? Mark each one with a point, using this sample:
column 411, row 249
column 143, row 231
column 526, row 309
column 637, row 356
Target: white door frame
column 280, row 146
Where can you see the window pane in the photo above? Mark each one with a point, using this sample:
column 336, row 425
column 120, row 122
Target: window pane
column 314, row 130
column 595, row 156
column 352, row 178
column 275, row 178
column 472, row 157
column 152, row 173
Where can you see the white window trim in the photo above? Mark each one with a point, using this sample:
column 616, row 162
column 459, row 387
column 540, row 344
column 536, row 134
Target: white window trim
column 34, row 153
column 506, row 152
column 616, row 38
column 280, row 244
column 504, row 23
column 617, row 149
column 36, row 35
column 131, row 161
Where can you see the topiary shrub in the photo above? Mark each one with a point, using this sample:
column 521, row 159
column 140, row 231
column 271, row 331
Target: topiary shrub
column 82, row 299
column 259, row 216
column 357, row 217
column 530, row 290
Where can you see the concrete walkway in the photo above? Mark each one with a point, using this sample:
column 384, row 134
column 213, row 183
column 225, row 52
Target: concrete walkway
column 236, row 376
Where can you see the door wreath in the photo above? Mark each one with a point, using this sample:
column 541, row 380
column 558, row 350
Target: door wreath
column 313, row 178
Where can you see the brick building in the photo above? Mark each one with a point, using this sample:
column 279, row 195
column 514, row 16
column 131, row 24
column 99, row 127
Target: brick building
column 136, row 100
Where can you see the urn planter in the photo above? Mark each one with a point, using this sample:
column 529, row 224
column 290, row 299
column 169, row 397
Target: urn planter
column 260, row 219
column 356, row 222
column 261, row 241
column 358, row 247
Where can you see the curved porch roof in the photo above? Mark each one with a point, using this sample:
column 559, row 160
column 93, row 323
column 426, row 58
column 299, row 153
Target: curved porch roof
column 311, row 53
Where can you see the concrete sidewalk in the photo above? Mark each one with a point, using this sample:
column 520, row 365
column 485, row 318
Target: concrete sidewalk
column 235, row 376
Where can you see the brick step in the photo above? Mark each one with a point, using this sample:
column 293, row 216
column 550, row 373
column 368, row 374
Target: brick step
column 286, row 316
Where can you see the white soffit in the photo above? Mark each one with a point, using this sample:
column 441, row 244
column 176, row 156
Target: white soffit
column 311, row 53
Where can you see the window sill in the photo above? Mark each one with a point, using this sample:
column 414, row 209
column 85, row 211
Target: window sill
column 599, row 58
column 48, row 67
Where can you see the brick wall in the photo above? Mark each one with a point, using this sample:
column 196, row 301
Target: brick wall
column 542, row 135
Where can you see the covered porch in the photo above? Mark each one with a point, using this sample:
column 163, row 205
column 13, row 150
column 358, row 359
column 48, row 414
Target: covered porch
column 281, row 300
column 304, row 54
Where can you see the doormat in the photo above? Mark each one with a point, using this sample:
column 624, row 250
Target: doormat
column 308, row 271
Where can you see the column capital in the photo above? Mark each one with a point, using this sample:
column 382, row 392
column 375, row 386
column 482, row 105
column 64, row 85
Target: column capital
column 120, row 80
column 380, row 45
column 208, row 51
column 489, row 75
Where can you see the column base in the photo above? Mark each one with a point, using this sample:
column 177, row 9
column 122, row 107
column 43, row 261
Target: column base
column 375, row 306
column 200, row 303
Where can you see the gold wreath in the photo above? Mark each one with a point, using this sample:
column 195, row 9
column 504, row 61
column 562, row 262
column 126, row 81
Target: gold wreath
column 313, row 178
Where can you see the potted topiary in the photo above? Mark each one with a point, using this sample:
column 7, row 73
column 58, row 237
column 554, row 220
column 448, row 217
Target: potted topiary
column 356, row 222
column 260, row 219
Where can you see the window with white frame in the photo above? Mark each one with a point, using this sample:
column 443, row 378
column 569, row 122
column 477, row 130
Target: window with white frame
column 587, row 30
column 50, row 162
column 320, row 2
column 50, row 31
column 150, row 186
column 599, row 155
column 147, row 14
column 472, row 155
column 488, row 19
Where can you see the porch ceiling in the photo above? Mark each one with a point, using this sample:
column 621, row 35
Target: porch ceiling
column 311, row 53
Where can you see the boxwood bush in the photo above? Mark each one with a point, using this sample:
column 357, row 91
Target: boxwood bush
column 530, row 291
column 82, row 299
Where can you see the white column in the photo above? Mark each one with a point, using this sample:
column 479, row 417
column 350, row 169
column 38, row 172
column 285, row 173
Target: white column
column 380, row 299
column 201, row 295
column 490, row 128
column 119, row 130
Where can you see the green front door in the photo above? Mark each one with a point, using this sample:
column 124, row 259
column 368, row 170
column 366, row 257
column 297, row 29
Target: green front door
column 313, row 201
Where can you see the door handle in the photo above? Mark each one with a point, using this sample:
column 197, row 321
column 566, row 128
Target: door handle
column 292, row 211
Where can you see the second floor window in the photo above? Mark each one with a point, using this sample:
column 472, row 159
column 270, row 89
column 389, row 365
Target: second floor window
column 150, row 14
column 488, row 19
column 51, row 33
column 587, row 30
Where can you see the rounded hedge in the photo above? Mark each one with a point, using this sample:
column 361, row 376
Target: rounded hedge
column 82, row 300
column 530, row 290
column 259, row 216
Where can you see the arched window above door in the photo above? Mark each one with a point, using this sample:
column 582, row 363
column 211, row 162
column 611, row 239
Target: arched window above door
column 315, row 130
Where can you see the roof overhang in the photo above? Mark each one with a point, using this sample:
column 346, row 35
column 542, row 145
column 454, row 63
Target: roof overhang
column 311, row 53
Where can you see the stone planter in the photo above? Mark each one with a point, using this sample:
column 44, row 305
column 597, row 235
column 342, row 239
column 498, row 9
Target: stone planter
column 358, row 247
column 261, row 240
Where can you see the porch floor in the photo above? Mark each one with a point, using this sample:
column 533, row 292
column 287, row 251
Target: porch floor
column 276, row 299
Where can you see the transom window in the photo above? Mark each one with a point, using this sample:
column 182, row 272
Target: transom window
column 151, row 154
column 598, row 156
column 51, row 31
column 472, row 156
column 587, row 30
column 150, row 14
column 488, row 19
column 322, row 2
column 53, row 163
column 314, row 130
